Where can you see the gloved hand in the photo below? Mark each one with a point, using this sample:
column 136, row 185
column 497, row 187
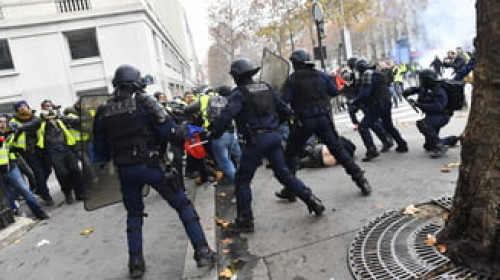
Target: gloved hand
column 353, row 107
column 407, row 92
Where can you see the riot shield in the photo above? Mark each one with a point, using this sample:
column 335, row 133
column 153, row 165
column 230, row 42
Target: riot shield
column 100, row 177
column 275, row 69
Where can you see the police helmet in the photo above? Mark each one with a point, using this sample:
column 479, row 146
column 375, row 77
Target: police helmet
column 351, row 62
column 243, row 66
column 361, row 65
column 224, row 90
column 300, row 56
column 427, row 77
column 128, row 74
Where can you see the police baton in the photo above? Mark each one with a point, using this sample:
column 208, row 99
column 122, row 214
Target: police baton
column 411, row 104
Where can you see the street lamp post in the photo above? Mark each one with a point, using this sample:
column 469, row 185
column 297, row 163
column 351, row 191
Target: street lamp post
column 319, row 19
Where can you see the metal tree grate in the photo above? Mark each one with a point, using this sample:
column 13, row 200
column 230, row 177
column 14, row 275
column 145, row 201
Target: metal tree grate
column 392, row 246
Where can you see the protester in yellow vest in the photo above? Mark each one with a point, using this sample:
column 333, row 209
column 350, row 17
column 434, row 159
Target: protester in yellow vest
column 11, row 175
column 56, row 140
column 26, row 124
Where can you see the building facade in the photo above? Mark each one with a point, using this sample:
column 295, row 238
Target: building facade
column 63, row 49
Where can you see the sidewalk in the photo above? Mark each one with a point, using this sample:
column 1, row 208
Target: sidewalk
column 289, row 243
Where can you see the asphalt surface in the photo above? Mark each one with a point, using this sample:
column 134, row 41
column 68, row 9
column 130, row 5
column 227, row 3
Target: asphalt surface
column 288, row 242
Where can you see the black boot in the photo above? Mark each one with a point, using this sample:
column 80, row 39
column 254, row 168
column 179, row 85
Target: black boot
column 363, row 184
column 136, row 267
column 314, row 205
column 286, row 194
column 242, row 225
column 402, row 148
column 387, row 145
column 68, row 198
column 204, row 256
column 42, row 215
column 371, row 153
column 439, row 151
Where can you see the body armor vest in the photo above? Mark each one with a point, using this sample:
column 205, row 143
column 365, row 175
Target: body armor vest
column 130, row 137
column 308, row 91
column 259, row 101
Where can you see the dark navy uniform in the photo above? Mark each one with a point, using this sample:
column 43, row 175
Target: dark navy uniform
column 375, row 98
column 129, row 129
column 432, row 100
column 309, row 92
column 255, row 107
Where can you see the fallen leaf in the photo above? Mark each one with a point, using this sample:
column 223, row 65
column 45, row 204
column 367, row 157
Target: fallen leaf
column 16, row 241
column 430, row 240
column 441, row 248
column 226, row 241
column 221, row 222
column 226, row 251
column 411, row 210
column 87, row 231
column 226, row 273
column 445, row 170
column 379, row 206
column 452, row 164
column 446, row 215
column 222, row 194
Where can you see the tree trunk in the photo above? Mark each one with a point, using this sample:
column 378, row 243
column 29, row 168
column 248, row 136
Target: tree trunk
column 472, row 232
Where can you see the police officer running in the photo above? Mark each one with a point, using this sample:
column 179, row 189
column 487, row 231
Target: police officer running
column 309, row 91
column 375, row 97
column 256, row 109
column 129, row 129
column 432, row 100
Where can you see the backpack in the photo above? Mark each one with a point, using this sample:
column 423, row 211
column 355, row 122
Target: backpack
column 455, row 92
column 215, row 106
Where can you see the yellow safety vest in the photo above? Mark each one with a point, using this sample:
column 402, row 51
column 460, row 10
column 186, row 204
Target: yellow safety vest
column 203, row 109
column 20, row 141
column 70, row 141
column 78, row 135
column 4, row 154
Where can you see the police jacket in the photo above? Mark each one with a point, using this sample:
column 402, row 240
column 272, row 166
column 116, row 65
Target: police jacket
column 251, row 117
column 373, row 88
column 309, row 91
column 432, row 101
column 131, row 130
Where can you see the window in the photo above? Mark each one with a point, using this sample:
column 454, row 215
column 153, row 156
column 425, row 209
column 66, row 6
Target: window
column 65, row 6
column 5, row 58
column 82, row 43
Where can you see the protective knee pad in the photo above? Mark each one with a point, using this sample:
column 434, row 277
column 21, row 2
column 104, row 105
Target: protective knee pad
column 185, row 209
column 422, row 127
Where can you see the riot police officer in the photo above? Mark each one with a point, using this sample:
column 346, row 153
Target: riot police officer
column 352, row 90
column 256, row 109
column 375, row 97
column 129, row 129
column 309, row 91
column 432, row 100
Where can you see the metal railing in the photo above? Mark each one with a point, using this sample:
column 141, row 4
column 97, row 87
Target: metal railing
column 67, row 6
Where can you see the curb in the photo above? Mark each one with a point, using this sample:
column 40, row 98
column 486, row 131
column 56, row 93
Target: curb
column 15, row 231
column 204, row 203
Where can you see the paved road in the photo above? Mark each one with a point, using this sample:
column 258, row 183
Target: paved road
column 288, row 242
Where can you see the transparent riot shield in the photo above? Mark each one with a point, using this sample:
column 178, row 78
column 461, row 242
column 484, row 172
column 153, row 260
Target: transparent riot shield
column 100, row 177
column 275, row 69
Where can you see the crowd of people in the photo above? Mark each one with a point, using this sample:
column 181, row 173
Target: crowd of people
column 218, row 135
